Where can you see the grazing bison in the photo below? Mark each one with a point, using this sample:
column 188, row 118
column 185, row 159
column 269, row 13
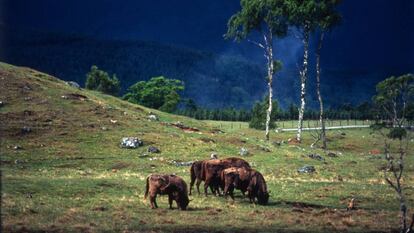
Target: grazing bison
column 245, row 179
column 195, row 175
column 171, row 185
column 257, row 188
column 235, row 178
column 195, row 172
column 211, row 171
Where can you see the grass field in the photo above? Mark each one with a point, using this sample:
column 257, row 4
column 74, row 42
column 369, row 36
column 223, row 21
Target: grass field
column 70, row 175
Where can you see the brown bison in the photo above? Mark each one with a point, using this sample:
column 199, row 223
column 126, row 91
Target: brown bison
column 211, row 171
column 235, row 178
column 195, row 175
column 171, row 185
column 245, row 179
column 257, row 188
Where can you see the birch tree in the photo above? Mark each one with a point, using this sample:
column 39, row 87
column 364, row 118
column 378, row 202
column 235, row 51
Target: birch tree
column 303, row 16
column 328, row 17
column 268, row 19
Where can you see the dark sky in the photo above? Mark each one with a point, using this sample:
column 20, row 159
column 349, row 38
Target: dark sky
column 374, row 34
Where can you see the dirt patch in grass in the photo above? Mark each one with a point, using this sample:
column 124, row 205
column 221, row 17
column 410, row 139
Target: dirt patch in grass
column 120, row 165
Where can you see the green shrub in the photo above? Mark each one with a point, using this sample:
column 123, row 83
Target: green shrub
column 99, row 80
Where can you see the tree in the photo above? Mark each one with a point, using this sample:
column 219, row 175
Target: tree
column 393, row 96
column 158, row 93
column 303, row 15
column 268, row 18
column 327, row 19
column 259, row 112
column 99, row 80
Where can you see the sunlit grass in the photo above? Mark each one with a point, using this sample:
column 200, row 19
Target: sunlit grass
column 71, row 175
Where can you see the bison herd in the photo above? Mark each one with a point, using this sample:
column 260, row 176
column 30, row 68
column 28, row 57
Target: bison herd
column 222, row 176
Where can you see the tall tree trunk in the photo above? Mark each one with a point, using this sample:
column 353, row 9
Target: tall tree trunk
column 318, row 91
column 270, row 69
column 303, row 77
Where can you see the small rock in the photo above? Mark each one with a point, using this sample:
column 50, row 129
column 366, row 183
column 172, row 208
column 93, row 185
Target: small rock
column 143, row 155
column 26, row 129
column 2, row 104
column 153, row 149
column 179, row 124
column 277, row 143
column 244, row 152
column 64, row 97
column 307, row 169
column 114, row 121
column 263, row 148
column 332, row 155
column 27, row 88
column 131, row 142
column 73, row 84
column 153, row 117
column 181, row 164
column 316, row 156
column 17, row 147
column 104, row 128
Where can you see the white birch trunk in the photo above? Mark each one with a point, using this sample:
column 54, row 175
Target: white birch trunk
column 270, row 69
column 303, row 77
column 318, row 91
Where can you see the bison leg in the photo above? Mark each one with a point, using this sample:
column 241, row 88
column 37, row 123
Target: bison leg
column 153, row 201
column 170, row 200
column 231, row 193
column 206, row 185
column 191, row 185
column 198, row 185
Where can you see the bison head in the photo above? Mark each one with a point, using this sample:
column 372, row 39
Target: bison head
column 263, row 198
column 182, row 200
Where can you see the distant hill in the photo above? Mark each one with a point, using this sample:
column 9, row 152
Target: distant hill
column 212, row 80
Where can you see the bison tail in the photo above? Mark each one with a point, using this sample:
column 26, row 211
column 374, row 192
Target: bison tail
column 146, row 188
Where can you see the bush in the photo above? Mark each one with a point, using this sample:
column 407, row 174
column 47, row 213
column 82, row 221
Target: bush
column 259, row 111
column 158, row 93
column 99, row 80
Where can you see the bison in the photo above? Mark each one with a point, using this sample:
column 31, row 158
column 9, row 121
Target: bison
column 171, row 185
column 195, row 175
column 245, row 179
column 211, row 170
column 257, row 188
column 235, row 178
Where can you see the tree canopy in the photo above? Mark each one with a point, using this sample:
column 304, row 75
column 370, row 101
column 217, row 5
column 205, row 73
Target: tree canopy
column 99, row 80
column 159, row 93
column 255, row 15
column 394, row 97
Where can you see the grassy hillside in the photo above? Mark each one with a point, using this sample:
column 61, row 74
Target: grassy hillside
column 69, row 173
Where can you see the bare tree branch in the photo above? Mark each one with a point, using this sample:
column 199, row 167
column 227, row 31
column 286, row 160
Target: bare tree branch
column 256, row 43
